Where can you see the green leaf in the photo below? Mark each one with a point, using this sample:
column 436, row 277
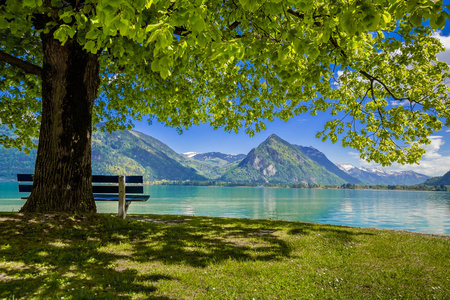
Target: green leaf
column 165, row 73
column 148, row 3
column 93, row 34
column 67, row 19
column 152, row 27
column 3, row 23
column 87, row 9
column 386, row 17
column 89, row 46
column 62, row 33
column 29, row 3
column 241, row 52
column 243, row 2
column 123, row 26
column 416, row 19
column 199, row 25
column 347, row 23
column 114, row 3
column 155, row 65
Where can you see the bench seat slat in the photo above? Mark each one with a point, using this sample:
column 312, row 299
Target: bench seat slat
column 25, row 188
column 115, row 178
column 105, row 189
column 95, row 178
column 107, row 197
column 114, row 189
column 24, row 177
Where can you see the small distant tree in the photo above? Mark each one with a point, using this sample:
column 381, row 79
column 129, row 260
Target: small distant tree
column 230, row 63
column 348, row 186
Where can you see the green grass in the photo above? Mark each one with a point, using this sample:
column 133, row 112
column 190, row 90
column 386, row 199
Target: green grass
column 178, row 257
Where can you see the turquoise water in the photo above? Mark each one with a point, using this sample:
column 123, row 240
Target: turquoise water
column 407, row 210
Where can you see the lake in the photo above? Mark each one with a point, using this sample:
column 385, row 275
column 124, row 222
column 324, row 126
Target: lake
column 406, row 210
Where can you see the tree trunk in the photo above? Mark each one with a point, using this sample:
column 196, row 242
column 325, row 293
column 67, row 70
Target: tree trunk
column 63, row 175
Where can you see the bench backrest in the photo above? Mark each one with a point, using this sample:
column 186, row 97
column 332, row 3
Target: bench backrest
column 96, row 184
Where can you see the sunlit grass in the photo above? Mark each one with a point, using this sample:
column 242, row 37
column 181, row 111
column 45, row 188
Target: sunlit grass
column 178, row 257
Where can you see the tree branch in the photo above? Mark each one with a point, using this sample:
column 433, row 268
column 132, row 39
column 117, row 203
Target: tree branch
column 296, row 13
column 181, row 31
column 234, row 25
column 336, row 45
column 372, row 79
column 21, row 64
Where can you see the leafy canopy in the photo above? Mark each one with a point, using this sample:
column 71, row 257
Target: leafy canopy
column 233, row 64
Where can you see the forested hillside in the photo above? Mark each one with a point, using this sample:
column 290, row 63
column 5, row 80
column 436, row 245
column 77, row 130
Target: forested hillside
column 277, row 161
column 122, row 152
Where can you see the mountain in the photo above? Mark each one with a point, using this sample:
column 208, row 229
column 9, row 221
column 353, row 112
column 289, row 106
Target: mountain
column 132, row 152
column 378, row 176
column 440, row 180
column 122, row 152
column 13, row 162
column 191, row 154
column 216, row 158
column 273, row 161
column 277, row 161
column 321, row 159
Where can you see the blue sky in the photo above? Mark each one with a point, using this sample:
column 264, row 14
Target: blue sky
column 301, row 130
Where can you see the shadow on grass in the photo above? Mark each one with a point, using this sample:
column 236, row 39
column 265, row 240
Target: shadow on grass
column 332, row 235
column 103, row 257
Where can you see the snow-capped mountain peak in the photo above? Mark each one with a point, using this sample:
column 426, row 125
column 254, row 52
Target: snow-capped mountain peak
column 191, row 154
column 382, row 176
column 345, row 167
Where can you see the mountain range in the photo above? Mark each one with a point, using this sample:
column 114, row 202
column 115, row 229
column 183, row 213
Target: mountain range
column 273, row 161
column 378, row 176
column 215, row 158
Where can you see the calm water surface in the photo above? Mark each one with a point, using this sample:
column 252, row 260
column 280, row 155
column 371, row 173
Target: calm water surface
column 408, row 210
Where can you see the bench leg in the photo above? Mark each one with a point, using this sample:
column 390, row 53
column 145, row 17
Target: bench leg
column 127, row 204
column 122, row 211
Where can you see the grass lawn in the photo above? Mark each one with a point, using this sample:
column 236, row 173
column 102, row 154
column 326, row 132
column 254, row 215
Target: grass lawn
column 178, row 257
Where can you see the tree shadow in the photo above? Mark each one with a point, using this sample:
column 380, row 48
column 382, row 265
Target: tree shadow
column 103, row 257
column 201, row 242
column 330, row 233
column 52, row 256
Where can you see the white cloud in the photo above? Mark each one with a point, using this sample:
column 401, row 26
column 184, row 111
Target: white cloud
column 400, row 103
column 432, row 149
column 354, row 154
column 433, row 163
column 448, row 130
column 336, row 81
column 445, row 40
column 434, row 167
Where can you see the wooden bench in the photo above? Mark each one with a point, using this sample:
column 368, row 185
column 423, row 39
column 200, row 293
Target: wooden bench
column 105, row 188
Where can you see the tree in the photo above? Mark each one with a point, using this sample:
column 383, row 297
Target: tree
column 233, row 64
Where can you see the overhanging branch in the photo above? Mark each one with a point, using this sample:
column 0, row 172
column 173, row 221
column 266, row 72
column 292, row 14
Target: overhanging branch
column 24, row 65
column 373, row 79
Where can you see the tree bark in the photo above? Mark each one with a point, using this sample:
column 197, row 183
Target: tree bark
column 63, row 176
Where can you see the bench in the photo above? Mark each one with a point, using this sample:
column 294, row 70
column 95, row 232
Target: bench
column 105, row 188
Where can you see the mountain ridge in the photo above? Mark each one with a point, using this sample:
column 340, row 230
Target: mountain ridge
column 273, row 161
column 277, row 161
column 439, row 180
column 321, row 158
column 383, row 177
column 215, row 158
